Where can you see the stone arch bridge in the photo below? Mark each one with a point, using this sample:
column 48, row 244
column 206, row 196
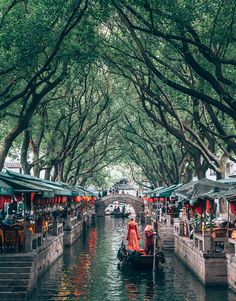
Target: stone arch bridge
column 135, row 202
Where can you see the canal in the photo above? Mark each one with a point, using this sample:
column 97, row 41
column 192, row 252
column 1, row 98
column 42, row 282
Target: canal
column 88, row 272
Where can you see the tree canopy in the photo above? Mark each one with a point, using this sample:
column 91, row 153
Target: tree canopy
column 89, row 84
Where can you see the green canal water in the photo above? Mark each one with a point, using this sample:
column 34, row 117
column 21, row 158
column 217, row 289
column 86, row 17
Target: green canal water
column 88, row 271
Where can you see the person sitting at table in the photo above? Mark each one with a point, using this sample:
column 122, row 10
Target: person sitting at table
column 10, row 220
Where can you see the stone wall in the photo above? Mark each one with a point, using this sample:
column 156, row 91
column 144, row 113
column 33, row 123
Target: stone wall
column 71, row 235
column 210, row 269
column 231, row 268
column 45, row 256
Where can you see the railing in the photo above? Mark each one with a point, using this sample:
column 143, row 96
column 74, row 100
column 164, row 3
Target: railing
column 32, row 241
column 70, row 222
column 57, row 228
column 232, row 245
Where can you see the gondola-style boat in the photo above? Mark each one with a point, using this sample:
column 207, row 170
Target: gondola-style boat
column 138, row 260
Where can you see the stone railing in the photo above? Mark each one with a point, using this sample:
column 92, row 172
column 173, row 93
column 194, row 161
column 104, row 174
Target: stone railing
column 207, row 244
column 32, row 241
column 177, row 228
column 35, row 240
column 70, row 222
column 232, row 246
column 204, row 241
column 57, row 228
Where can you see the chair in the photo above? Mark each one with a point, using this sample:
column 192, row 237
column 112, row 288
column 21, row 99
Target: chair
column 219, row 232
column 11, row 240
column 18, row 226
column 21, row 234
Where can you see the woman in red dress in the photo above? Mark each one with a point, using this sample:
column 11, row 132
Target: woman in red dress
column 133, row 236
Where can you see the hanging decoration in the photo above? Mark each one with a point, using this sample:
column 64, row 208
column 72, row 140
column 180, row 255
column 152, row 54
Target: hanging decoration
column 233, row 207
column 199, row 207
column 210, row 206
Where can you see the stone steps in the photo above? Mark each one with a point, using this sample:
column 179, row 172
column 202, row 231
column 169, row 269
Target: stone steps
column 11, row 276
column 15, row 274
column 13, row 288
column 12, row 282
column 15, row 264
column 15, row 296
column 12, row 269
column 15, row 258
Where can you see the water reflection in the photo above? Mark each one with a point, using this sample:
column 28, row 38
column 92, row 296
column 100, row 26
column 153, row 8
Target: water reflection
column 88, row 272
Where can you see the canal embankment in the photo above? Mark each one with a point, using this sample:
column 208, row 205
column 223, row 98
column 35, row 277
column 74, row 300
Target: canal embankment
column 88, row 271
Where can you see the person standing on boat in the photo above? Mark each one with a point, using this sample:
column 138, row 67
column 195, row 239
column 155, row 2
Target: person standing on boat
column 149, row 234
column 133, row 236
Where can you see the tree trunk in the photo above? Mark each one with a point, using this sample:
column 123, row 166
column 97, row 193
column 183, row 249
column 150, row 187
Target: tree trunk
column 37, row 167
column 24, row 153
column 47, row 173
column 7, row 144
column 199, row 166
column 55, row 172
column 188, row 175
column 223, row 161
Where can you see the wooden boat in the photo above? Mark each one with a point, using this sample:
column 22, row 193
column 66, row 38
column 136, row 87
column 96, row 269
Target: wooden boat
column 121, row 214
column 138, row 260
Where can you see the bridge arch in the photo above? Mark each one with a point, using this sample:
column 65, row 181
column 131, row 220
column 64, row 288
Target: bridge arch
column 135, row 202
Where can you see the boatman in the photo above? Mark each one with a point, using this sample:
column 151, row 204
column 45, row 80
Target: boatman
column 149, row 234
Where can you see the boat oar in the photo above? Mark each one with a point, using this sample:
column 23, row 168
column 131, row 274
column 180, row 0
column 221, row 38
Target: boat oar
column 154, row 256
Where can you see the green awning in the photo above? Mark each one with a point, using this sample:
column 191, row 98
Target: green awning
column 167, row 192
column 61, row 188
column 185, row 191
column 5, row 189
column 57, row 190
column 154, row 191
column 56, row 187
column 206, row 185
column 22, row 186
column 147, row 192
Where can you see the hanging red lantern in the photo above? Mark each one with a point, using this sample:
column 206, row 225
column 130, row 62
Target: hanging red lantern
column 199, row 207
column 209, row 206
column 155, row 199
column 18, row 197
column 63, row 199
column 77, row 199
column 1, row 202
column 233, row 207
column 7, row 199
column 32, row 196
column 162, row 200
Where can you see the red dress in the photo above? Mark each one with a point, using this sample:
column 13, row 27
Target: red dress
column 133, row 236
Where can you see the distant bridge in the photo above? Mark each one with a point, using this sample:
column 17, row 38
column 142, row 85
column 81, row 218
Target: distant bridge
column 135, row 202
